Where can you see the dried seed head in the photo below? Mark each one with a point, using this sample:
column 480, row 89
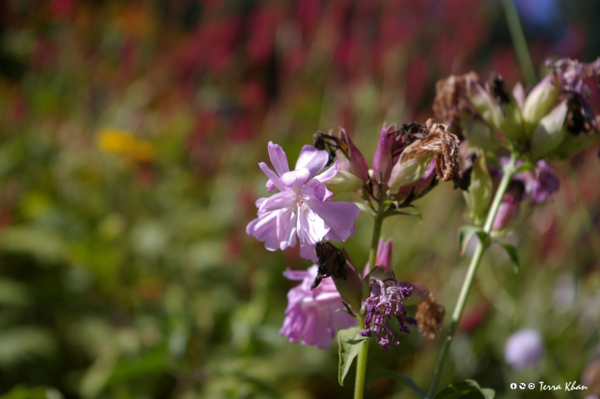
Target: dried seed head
column 430, row 315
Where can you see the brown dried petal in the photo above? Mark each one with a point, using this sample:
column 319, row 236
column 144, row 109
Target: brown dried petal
column 451, row 98
column 445, row 146
column 430, row 315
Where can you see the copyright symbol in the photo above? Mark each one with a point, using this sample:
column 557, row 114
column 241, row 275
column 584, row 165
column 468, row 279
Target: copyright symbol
column 522, row 385
column 531, row 385
column 513, row 385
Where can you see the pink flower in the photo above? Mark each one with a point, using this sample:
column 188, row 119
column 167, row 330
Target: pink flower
column 312, row 316
column 301, row 206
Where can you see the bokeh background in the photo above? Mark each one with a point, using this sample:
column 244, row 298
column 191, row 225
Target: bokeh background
column 129, row 141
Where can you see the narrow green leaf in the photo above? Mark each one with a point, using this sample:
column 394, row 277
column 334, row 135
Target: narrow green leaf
column 525, row 168
column 401, row 378
column 462, row 388
column 464, row 235
column 365, row 208
column 513, row 255
column 396, row 212
column 349, row 341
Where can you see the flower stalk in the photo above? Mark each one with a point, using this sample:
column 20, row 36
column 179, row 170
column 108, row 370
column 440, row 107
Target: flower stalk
column 361, row 361
column 509, row 172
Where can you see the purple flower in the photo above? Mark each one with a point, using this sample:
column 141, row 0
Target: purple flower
column 509, row 207
column 524, row 348
column 312, row 315
column 540, row 187
column 300, row 208
column 384, row 302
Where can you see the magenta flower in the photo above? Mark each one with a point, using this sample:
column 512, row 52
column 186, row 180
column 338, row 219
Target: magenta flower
column 312, row 316
column 301, row 206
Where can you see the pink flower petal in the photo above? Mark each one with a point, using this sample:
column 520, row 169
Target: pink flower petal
column 296, row 178
column 278, row 158
column 329, row 173
column 312, row 159
column 339, row 216
column 272, row 177
column 264, row 228
column 284, row 199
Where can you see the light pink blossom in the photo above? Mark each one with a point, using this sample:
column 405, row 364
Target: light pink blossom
column 312, row 316
column 301, row 208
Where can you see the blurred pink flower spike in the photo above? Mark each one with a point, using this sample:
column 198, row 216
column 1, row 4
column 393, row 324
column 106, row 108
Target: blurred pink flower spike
column 312, row 316
column 301, row 206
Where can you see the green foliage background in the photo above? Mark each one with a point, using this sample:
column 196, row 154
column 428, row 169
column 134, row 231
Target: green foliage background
column 134, row 278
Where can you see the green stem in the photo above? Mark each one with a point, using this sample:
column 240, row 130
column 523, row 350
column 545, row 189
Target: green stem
column 519, row 42
column 361, row 361
column 509, row 171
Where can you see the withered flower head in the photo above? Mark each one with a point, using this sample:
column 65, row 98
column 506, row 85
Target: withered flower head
column 331, row 262
column 451, row 99
column 336, row 263
column 430, row 315
column 435, row 141
column 383, row 303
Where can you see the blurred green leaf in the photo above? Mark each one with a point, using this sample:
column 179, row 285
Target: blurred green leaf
column 462, row 388
column 465, row 233
column 41, row 243
column 21, row 343
column 349, row 341
column 513, row 255
column 23, row 392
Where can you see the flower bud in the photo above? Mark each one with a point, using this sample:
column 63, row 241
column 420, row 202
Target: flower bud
column 409, row 193
column 479, row 192
column 383, row 258
column 342, row 182
column 481, row 136
column 550, row 132
column 510, row 206
column 382, row 160
column 506, row 118
column 412, row 163
column 542, row 98
column 351, row 159
column 410, row 167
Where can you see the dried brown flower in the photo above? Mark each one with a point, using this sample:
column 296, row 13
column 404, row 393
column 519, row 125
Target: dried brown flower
column 451, row 98
column 430, row 315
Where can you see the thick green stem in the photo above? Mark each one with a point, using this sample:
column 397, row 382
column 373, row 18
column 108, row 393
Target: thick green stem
column 509, row 171
column 361, row 361
column 519, row 42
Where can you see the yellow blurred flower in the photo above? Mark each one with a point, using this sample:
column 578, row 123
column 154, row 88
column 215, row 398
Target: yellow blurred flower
column 122, row 142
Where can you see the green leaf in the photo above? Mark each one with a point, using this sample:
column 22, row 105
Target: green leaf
column 401, row 378
column 365, row 208
column 462, row 388
column 527, row 166
column 396, row 212
column 466, row 232
column 513, row 255
column 349, row 341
